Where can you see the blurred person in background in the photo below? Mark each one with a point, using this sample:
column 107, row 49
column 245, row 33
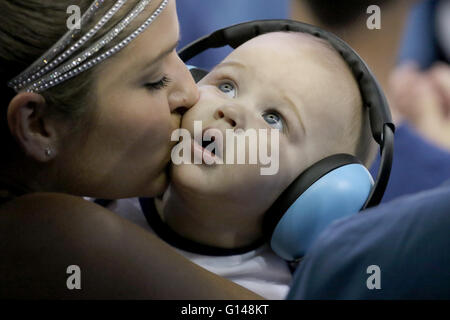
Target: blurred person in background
column 404, row 242
column 421, row 85
column 420, row 109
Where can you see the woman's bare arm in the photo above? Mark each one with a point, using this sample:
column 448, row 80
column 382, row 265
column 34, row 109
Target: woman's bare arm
column 42, row 234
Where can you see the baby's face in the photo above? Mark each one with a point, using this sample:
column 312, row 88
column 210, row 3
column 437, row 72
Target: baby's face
column 273, row 82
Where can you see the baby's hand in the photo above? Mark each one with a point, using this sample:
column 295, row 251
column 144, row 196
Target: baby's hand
column 423, row 99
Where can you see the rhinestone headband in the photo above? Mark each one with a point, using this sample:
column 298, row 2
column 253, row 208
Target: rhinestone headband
column 42, row 65
column 57, row 48
column 37, row 77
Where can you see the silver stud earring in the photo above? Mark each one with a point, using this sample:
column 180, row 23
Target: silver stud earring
column 48, row 151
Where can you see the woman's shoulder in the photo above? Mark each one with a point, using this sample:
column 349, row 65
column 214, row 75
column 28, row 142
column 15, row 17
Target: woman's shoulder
column 51, row 206
column 49, row 240
column 48, row 215
column 43, row 234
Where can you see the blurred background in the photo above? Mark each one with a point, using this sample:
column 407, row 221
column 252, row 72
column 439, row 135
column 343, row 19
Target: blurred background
column 200, row 17
column 426, row 37
column 409, row 56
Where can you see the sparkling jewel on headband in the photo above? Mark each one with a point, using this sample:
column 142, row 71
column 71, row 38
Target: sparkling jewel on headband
column 60, row 45
column 41, row 81
column 43, row 64
column 75, row 62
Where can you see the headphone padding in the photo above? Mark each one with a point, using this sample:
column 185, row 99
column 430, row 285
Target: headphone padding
column 339, row 193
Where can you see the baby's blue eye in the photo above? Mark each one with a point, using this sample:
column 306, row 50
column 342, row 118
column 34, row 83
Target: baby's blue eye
column 228, row 88
column 274, row 120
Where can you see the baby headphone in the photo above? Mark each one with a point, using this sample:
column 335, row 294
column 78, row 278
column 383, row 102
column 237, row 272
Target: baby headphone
column 334, row 187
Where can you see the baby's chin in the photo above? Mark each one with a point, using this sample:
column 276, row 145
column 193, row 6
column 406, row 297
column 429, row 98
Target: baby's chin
column 207, row 184
column 190, row 178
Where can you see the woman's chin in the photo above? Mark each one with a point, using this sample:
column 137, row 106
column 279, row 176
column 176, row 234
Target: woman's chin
column 157, row 187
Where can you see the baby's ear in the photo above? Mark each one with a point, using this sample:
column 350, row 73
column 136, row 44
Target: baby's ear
column 28, row 124
column 366, row 147
column 197, row 73
column 371, row 153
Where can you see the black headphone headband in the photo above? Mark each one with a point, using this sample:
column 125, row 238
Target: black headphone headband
column 372, row 95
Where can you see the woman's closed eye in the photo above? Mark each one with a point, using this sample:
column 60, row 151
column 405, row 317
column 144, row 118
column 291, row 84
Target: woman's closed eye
column 154, row 86
column 228, row 88
column 274, row 119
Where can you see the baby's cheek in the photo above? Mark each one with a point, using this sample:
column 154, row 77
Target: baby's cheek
column 290, row 167
column 201, row 111
column 266, row 188
column 187, row 120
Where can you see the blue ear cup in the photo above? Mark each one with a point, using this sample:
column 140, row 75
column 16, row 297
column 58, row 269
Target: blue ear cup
column 333, row 188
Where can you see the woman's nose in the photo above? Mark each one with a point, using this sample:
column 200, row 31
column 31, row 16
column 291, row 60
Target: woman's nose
column 185, row 92
column 231, row 115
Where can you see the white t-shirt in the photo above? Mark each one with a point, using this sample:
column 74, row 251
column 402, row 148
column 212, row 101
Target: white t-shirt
column 260, row 270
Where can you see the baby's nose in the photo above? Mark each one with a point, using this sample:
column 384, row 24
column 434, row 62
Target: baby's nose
column 230, row 115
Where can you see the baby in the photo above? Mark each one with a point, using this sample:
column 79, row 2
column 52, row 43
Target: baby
column 286, row 81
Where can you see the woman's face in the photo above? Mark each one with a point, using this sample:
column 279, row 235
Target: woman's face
column 138, row 97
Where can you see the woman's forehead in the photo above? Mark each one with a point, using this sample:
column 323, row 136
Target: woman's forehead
column 148, row 48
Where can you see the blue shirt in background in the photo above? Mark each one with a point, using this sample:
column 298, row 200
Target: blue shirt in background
column 199, row 18
column 398, row 250
column 418, row 165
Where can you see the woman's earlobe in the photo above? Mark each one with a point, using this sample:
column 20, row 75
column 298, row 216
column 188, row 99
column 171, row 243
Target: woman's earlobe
column 30, row 126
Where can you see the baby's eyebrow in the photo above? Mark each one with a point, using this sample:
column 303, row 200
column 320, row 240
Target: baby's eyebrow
column 292, row 106
column 231, row 63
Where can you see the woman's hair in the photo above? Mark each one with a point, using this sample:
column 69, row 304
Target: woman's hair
column 28, row 29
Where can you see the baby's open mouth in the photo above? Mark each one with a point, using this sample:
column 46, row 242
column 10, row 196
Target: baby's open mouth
column 206, row 143
column 213, row 139
column 208, row 149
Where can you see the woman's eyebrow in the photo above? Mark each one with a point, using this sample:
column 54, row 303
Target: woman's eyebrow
column 142, row 68
column 166, row 52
